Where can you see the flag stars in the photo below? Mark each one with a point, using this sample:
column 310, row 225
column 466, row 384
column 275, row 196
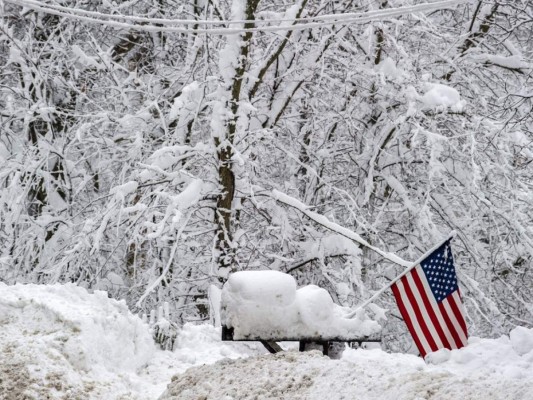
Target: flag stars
column 440, row 273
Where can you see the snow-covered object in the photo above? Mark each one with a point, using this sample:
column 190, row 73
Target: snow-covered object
column 267, row 305
column 439, row 95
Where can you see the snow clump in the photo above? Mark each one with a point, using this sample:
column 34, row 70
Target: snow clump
column 442, row 96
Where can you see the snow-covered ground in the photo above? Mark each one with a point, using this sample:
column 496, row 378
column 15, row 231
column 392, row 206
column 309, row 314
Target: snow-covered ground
column 60, row 342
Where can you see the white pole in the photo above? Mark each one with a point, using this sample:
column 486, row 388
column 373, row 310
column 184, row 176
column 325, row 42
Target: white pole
column 381, row 291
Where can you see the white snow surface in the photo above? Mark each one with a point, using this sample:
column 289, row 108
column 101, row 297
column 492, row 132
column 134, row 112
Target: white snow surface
column 267, row 305
column 485, row 369
column 62, row 342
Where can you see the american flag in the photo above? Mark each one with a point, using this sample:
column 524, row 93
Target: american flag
column 430, row 303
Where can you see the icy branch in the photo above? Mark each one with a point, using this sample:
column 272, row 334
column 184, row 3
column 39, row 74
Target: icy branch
column 326, row 223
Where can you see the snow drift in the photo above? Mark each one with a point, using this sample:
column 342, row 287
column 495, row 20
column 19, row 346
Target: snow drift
column 49, row 330
column 62, row 342
column 485, row 369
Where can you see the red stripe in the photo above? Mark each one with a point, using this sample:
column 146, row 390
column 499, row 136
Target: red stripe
column 449, row 326
column 407, row 320
column 430, row 309
column 419, row 316
column 458, row 315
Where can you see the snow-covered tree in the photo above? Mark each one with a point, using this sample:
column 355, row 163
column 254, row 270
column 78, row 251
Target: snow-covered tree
column 147, row 162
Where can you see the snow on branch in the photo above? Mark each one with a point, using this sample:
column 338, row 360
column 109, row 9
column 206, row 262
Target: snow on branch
column 322, row 220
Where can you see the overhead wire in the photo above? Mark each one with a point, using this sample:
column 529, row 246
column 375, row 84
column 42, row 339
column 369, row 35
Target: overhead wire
column 166, row 21
column 165, row 25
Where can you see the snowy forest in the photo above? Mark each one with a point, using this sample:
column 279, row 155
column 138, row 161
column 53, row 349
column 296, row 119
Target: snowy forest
column 150, row 158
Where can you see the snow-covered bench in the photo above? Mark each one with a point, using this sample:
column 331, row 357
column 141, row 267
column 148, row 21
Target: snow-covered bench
column 266, row 306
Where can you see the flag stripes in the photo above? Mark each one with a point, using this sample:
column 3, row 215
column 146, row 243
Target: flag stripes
column 437, row 323
column 448, row 340
column 408, row 317
column 433, row 324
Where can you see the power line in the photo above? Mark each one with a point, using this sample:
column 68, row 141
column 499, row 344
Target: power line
column 165, row 21
column 298, row 23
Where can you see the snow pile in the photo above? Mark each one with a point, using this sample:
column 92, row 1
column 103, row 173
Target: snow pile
column 104, row 331
column 506, row 357
column 195, row 345
column 201, row 344
column 61, row 342
column 485, row 369
column 267, row 305
column 522, row 341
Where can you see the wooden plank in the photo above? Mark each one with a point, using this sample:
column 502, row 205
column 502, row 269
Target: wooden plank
column 227, row 333
column 272, row 347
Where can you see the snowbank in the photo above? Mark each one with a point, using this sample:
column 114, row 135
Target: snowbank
column 61, row 339
column 267, row 305
column 61, row 342
column 485, row 369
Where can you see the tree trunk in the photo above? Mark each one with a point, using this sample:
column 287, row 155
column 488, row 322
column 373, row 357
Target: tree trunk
column 225, row 251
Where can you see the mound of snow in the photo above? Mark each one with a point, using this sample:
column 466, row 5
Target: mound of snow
column 87, row 329
column 508, row 356
column 266, row 305
column 522, row 340
column 485, row 369
column 61, row 340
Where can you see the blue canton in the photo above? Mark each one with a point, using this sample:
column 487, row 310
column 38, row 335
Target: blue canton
column 440, row 272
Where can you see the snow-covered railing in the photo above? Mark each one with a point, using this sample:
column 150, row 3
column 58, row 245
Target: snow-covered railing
column 266, row 306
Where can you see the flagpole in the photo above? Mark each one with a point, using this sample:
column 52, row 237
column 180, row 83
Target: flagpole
column 418, row 261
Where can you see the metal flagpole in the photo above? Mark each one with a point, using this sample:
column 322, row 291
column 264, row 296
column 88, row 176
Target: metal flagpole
column 381, row 291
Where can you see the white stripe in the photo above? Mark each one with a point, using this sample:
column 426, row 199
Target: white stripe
column 412, row 317
column 460, row 306
column 452, row 317
column 423, row 310
column 436, row 309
